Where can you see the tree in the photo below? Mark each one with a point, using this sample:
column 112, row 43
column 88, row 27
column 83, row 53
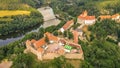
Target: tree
column 23, row 61
column 20, row 23
column 101, row 54
column 70, row 36
column 46, row 39
column 85, row 64
column 102, row 29
column 55, row 33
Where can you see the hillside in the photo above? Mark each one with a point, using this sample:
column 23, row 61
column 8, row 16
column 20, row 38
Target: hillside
column 99, row 44
column 14, row 13
column 73, row 8
column 110, row 6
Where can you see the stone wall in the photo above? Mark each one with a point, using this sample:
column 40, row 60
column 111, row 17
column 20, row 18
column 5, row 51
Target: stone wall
column 74, row 56
column 33, row 50
column 50, row 56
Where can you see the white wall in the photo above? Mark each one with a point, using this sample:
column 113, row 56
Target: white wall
column 89, row 22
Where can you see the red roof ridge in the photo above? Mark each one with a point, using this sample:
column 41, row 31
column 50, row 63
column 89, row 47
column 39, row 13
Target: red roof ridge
column 39, row 43
column 40, row 49
column 87, row 17
column 115, row 15
column 68, row 24
column 75, row 34
column 51, row 36
column 33, row 41
column 105, row 16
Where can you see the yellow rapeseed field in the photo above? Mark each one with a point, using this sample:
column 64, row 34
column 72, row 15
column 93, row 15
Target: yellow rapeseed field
column 13, row 12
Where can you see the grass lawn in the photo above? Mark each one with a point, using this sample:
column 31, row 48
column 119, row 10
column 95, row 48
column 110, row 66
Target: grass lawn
column 13, row 12
column 104, row 3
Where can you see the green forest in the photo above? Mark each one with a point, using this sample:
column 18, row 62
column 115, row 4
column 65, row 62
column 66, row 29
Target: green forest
column 19, row 22
column 68, row 9
column 100, row 48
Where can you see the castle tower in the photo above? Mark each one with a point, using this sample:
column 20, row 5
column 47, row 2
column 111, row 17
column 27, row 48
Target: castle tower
column 85, row 13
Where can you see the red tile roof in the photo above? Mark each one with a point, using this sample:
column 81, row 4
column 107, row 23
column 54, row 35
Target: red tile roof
column 74, row 44
column 39, row 43
column 105, row 17
column 67, row 25
column 61, row 51
column 63, row 41
column 84, row 16
column 40, row 49
column 75, row 34
column 115, row 15
column 51, row 36
column 33, row 41
column 87, row 17
column 108, row 16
